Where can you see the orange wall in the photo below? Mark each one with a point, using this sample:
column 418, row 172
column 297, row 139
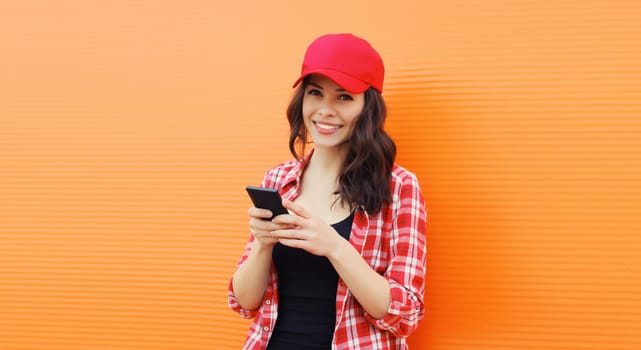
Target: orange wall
column 128, row 130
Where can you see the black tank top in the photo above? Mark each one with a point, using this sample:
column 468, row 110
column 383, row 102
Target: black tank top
column 306, row 296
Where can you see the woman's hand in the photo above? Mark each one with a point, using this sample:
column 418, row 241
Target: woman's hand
column 306, row 231
column 261, row 227
column 317, row 237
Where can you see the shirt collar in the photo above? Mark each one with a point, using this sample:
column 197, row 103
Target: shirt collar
column 291, row 182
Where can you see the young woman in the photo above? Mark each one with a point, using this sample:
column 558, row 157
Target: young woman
column 345, row 269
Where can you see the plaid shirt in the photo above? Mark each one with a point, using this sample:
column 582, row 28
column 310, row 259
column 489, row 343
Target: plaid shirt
column 391, row 241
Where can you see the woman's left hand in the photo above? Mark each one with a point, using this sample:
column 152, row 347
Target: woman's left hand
column 310, row 233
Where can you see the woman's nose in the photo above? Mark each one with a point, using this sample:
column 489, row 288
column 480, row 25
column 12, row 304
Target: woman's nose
column 326, row 108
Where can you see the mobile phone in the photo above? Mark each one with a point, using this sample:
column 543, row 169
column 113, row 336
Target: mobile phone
column 267, row 198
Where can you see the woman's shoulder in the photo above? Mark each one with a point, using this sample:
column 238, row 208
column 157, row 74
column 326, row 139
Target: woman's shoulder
column 403, row 180
column 401, row 174
column 285, row 166
column 282, row 173
column 405, row 188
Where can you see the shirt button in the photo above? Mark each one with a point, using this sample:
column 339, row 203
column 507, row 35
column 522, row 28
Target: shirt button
column 266, row 328
column 268, row 302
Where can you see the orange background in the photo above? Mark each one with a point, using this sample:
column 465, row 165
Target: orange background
column 128, row 130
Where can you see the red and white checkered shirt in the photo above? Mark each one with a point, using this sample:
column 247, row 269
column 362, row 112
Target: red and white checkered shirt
column 391, row 241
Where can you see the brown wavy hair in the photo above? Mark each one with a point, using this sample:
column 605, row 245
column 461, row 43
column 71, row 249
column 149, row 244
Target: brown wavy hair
column 364, row 179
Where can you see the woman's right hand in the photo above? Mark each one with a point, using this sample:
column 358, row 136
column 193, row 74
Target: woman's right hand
column 261, row 227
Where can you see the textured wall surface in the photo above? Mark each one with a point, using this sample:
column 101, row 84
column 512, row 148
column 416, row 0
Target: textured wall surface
column 128, row 130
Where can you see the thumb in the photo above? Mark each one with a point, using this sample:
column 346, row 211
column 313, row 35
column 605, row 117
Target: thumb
column 297, row 209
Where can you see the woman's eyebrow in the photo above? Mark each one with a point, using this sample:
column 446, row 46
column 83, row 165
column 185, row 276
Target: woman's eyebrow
column 320, row 87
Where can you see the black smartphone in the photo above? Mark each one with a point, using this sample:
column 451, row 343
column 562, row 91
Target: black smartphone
column 267, row 198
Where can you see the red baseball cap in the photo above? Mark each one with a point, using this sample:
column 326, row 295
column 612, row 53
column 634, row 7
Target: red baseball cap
column 349, row 61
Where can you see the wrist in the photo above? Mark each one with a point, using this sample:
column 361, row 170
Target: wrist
column 341, row 250
column 259, row 247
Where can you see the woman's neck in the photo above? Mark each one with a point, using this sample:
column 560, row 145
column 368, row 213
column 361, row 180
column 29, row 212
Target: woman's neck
column 320, row 185
column 327, row 161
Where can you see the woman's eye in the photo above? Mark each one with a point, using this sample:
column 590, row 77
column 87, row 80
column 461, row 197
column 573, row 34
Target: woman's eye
column 345, row 97
column 314, row 92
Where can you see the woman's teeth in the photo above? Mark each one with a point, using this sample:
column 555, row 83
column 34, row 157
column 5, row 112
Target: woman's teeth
column 327, row 126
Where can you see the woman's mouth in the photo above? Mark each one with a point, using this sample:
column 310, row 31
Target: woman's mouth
column 326, row 129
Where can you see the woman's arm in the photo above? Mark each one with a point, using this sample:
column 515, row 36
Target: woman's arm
column 405, row 271
column 249, row 282
column 368, row 287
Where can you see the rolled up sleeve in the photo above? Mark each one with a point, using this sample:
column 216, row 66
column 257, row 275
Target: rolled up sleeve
column 406, row 270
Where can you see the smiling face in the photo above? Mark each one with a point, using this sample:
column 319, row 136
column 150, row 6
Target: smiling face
column 330, row 112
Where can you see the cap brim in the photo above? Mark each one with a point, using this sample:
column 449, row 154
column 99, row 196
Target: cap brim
column 347, row 82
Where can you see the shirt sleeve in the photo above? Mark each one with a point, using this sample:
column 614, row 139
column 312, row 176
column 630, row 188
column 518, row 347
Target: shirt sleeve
column 406, row 271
